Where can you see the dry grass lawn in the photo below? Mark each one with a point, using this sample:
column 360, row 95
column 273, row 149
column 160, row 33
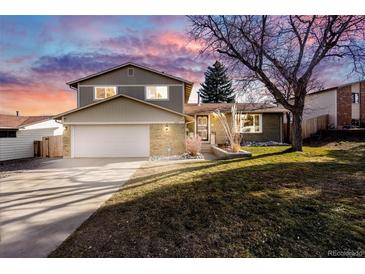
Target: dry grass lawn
column 276, row 204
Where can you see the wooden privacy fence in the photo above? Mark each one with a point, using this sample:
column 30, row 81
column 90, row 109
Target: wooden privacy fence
column 50, row 146
column 311, row 126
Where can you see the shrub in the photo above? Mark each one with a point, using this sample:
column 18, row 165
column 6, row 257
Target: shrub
column 193, row 145
column 231, row 131
column 236, row 147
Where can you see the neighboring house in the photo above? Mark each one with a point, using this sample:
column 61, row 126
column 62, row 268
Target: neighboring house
column 257, row 122
column 134, row 111
column 345, row 105
column 17, row 134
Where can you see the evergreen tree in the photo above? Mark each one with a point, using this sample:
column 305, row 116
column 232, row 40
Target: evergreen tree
column 217, row 87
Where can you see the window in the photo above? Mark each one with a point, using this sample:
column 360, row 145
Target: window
column 202, row 126
column 355, row 98
column 250, row 123
column 104, row 92
column 130, row 72
column 8, row 133
column 355, row 122
column 157, row 93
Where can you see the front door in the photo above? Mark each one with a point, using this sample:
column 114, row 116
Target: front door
column 202, row 126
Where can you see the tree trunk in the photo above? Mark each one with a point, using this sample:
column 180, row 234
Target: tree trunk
column 297, row 141
column 288, row 128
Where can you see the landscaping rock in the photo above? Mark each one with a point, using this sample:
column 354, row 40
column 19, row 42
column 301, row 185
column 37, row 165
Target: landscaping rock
column 263, row 144
column 185, row 156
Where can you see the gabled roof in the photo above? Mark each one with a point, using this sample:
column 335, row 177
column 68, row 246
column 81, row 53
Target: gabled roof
column 15, row 122
column 188, row 85
column 192, row 109
column 125, row 65
column 58, row 116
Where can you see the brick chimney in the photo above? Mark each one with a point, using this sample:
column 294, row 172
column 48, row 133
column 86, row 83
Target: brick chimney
column 344, row 106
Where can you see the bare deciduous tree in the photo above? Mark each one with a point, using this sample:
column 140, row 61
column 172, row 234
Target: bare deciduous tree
column 282, row 52
column 231, row 130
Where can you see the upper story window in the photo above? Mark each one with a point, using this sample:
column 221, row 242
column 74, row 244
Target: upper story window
column 250, row 123
column 157, row 93
column 104, row 92
column 8, row 133
column 130, row 72
column 355, row 98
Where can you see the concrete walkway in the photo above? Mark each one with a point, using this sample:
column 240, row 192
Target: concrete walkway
column 40, row 208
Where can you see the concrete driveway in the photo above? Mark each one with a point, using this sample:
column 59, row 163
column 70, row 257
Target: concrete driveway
column 40, row 208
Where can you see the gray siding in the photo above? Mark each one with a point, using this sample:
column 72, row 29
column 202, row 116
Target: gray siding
column 122, row 110
column 120, row 77
column 141, row 77
column 86, row 96
column 175, row 101
column 270, row 129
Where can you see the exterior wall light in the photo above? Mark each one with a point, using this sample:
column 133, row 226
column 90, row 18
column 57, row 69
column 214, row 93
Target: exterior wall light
column 166, row 127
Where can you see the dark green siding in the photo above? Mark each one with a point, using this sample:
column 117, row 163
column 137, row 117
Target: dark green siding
column 270, row 129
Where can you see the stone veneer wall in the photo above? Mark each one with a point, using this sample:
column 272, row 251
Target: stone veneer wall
column 344, row 105
column 162, row 139
column 362, row 104
column 67, row 142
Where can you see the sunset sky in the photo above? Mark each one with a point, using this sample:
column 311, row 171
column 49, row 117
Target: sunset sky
column 39, row 54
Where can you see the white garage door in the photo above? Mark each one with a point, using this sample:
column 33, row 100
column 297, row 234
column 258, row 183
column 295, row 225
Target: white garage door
column 110, row 141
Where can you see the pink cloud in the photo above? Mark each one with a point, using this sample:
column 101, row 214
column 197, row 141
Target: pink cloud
column 35, row 100
column 18, row 60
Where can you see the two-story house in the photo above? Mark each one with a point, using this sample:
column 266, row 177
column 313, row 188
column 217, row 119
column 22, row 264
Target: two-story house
column 344, row 104
column 134, row 111
column 126, row 111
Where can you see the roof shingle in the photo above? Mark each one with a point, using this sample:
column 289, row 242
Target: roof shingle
column 12, row 121
column 192, row 109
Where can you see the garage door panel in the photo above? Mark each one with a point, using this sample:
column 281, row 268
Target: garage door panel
column 111, row 141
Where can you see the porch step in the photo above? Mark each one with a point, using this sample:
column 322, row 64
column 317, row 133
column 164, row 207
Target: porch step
column 206, row 148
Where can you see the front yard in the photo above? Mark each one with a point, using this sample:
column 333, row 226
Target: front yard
column 276, row 204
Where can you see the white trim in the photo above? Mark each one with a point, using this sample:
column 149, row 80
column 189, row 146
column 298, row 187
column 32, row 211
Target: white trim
column 111, row 86
column 123, row 123
column 158, row 100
